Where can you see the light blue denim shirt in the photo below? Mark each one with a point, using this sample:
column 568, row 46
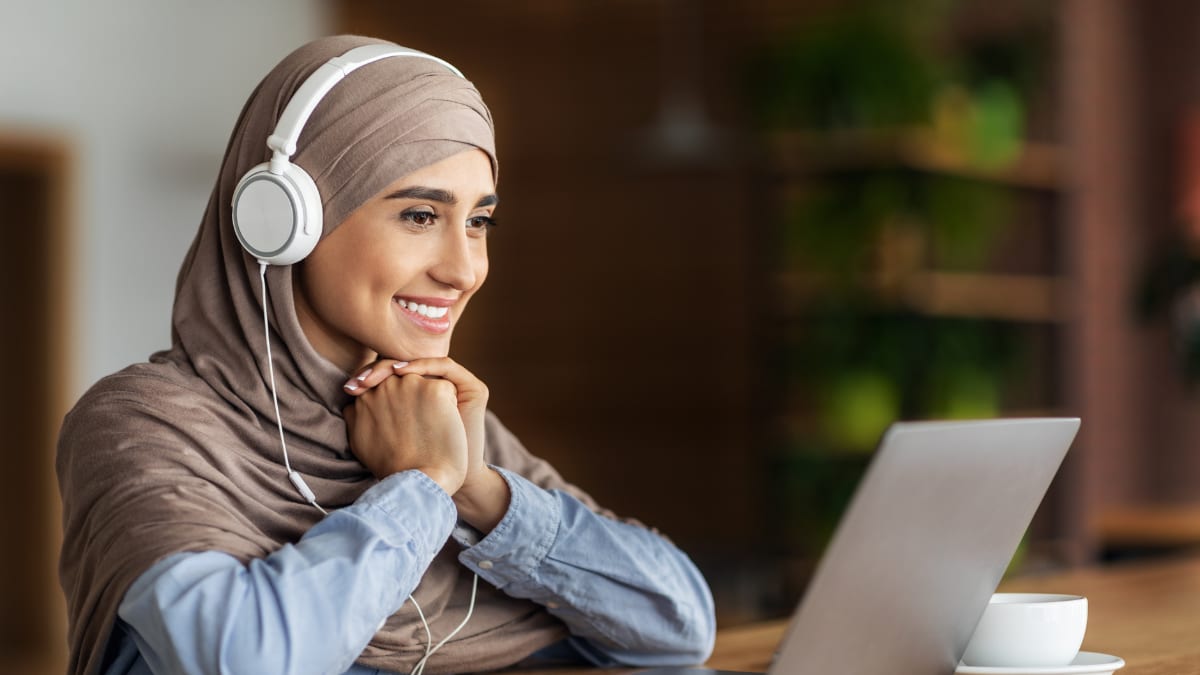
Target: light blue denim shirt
column 627, row 596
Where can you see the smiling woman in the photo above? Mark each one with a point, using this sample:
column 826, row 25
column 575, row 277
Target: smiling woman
column 396, row 276
column 306, row 481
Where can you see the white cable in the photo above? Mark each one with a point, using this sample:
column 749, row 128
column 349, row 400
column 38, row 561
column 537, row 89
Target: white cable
column 428, row 637
column 302, row 487
column 430, row 652
column 296, row 479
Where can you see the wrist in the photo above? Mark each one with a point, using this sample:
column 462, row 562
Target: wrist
column 450, row 481
column 483, row 499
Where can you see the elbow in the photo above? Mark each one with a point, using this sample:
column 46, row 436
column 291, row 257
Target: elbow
column 685, row 639
column 703, row 648
column 696, row 641
column 694, row 630
column 698, row 621
column 686, row 652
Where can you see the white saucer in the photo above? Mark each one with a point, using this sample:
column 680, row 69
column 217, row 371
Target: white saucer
column 1085, row 663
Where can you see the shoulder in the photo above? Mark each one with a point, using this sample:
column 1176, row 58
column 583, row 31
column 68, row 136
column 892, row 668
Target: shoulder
column 142, row 401
column 164, row 382
column 501, row 446
column 503, row 449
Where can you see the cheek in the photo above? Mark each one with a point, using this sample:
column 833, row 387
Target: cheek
column 341, row 287
column 331, row 293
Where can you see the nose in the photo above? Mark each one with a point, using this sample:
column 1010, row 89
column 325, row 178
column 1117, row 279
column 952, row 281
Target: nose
column 456, row 264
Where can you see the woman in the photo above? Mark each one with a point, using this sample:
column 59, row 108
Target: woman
column 187, row 548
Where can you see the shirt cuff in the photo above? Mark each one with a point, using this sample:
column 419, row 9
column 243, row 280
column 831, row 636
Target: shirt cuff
column 517, row 545
column 391, row 503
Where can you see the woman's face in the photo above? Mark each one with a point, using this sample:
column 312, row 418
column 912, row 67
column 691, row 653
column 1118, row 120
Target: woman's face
column 394, row 278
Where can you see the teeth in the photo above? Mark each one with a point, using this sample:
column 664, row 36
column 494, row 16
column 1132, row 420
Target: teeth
column 424, row 310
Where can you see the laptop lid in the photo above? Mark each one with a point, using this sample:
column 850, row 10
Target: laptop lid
column 922, row 546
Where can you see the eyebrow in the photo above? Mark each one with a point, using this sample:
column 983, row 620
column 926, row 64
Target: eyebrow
column 439, row 195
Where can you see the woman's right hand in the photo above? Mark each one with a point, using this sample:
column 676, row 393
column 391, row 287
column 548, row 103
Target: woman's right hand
column 402, row 422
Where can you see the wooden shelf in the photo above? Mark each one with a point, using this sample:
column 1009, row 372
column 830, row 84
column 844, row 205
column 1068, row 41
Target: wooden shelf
column 1006, row 297
column 986, row 296
column 1036, row 166
column 1155, row 526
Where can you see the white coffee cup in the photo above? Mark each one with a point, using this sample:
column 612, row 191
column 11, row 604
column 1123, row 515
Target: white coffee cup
column 1020, row 630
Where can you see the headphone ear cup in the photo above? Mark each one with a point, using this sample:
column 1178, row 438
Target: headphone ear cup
column 277, row 217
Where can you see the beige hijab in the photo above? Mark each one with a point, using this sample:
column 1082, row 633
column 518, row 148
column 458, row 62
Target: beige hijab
column 182, row 453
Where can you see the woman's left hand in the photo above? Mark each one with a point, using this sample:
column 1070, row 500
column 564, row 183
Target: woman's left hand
column 483, row 499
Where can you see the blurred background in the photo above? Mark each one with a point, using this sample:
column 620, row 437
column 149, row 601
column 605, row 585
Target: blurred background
column 740, row 238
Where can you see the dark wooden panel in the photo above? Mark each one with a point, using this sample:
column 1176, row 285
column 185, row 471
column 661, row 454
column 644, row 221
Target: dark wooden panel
column 32, row 308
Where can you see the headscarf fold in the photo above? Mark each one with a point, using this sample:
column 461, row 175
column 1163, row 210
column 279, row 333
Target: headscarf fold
column 182, row 453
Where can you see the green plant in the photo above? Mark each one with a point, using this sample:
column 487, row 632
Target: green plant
column 878, row 78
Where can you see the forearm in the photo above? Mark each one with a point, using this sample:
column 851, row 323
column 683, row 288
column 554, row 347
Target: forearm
column 625, row 589
column 308, row 607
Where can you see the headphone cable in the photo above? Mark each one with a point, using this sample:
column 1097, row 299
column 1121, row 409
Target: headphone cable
column 298, row 481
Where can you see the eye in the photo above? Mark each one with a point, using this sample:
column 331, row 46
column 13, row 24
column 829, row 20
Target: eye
column 481, row 224
column 421, row 218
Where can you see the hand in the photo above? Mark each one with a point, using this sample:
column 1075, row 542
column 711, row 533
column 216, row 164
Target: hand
column 471, row 398
column 407, row 421
column 483, row 497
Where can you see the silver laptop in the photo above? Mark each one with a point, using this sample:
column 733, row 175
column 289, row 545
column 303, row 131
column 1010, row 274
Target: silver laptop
column 922, row 546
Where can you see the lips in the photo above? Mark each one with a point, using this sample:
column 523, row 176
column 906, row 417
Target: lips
column 431, row 315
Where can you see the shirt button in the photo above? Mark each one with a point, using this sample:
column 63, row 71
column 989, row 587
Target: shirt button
column 485, row 564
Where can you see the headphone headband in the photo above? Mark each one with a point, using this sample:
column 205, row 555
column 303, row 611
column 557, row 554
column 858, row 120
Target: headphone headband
column 304, row 101
column 277, row 213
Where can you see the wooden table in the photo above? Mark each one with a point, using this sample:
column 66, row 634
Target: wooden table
column 1146, row 613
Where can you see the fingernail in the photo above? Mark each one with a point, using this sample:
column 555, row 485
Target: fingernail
column 399, row 364
column 350, row 386
column 363, row 375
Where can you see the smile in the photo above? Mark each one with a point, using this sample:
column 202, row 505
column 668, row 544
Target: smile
column 423, row 310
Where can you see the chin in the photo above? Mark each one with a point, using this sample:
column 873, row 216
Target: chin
column 411, row 352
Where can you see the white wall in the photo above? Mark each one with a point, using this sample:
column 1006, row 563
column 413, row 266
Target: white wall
column 148, row 91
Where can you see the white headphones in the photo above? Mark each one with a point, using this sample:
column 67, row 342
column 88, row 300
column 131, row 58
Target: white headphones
column 277, row 211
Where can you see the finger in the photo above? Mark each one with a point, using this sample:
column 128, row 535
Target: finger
column 416, row 387
column 350, row 414
column 469, row 387
column 370, row 377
